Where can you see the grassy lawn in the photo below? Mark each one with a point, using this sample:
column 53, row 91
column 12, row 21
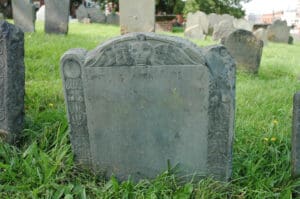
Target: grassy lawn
column 43, row 167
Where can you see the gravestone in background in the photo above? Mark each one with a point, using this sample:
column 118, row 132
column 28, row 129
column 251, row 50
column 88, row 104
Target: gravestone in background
column 223, row 29
column 245, row 48
column 96, row 15
column 24, row 15
column 296, row 137
column 139, row 101
column 81, row 13
column 12, row 81
column 196, row 25
column 113, row 19
column 242, row 24
column 213, row 19
column 278, row 31
column 137, row 18
column 261, row 34
column 57, row 16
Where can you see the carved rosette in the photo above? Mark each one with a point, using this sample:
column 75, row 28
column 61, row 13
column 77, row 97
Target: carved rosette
column 71, row 70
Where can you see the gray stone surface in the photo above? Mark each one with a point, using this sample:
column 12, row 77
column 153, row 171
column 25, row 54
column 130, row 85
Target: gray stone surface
column 242, row 24
column 113, row 19
column 223, row 29
column 137, row 18
column 296, row 137
column 245, row 48
column 40, row 14
column 12, row 80
column 196, row 25
column 81, row 13
column 24, row 15
column 57, row 16
column 96, row 15
column 261, row 34
column 279, row 32
column 140, row 100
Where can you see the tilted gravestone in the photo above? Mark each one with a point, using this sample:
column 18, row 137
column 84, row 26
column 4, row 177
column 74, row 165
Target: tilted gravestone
column 139, row 101
column 213, row 19
column 57, row 16
column 196, row 25
column 137, row 18
column 24, row 15
column 12, row 81
column 278, row 31
column 296, row 137
column 245, row 48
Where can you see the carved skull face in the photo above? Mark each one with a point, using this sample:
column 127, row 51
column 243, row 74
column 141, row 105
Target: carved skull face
column 123, row 55
column 141, row 52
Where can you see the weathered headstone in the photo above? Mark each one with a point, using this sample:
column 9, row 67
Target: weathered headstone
column 196, row 25
column 279, row 32
column 139, row 101
column 96, row 15
column 40, row 14
column 81, row 13
column 222, row 29
column 24, row 15
column 213, row 19
column 242, row 24
column 261, row 34
column 245, row 48
column 137, row 18
column 296, row 139
column 113, row 19
column 12, row 81
column 57, row 16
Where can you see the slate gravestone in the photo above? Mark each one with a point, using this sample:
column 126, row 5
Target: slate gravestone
column 12, row 80
column 242, row 24
column 137, row 18
column 261, row 34
column 139, row 101
column 245, row 48
column 113, row 19
column 96, row 15
column 223, row 29
column 57, row 16
column 81, row 13
column 196, row 25
column 279, row 32
column 24, row 15
column 296, row 137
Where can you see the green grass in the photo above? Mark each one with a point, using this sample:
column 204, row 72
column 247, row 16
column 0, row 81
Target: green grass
column 43, row 167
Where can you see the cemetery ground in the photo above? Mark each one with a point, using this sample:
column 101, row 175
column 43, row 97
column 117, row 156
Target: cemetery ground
column 42, row 166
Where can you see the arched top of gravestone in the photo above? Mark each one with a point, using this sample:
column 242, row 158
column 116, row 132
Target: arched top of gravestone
column 144, row 49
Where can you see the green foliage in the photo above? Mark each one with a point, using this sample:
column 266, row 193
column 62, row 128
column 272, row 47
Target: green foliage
column 232, row 7
column 43, row 165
